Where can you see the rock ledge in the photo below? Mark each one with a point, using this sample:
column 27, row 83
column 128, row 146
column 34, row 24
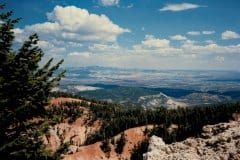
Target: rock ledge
column 218, row 142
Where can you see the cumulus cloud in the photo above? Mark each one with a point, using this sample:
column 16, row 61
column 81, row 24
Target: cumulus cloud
column 153, row 52
column 194, row 33
column 152, row 42
column 179, row 7
column 76, row 25
column 70, row 31
column 230, row 35
column 109, row 2
column 155, row 45
column 208, row 32
column 211, row 48
column 178, row 37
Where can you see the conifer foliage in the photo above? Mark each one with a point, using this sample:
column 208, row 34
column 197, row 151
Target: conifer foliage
column 24, row 88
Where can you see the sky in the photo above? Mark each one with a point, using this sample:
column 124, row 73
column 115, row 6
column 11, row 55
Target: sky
column 144, row 34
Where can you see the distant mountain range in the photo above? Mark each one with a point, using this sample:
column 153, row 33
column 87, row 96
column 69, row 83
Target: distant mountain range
column 152, row 88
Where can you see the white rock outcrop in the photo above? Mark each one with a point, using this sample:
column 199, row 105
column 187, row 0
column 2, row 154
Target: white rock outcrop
column 218, row 142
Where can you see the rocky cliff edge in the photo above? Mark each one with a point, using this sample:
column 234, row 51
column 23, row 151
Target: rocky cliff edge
column 217, row 142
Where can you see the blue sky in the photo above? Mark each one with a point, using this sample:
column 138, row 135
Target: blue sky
column 149, row 34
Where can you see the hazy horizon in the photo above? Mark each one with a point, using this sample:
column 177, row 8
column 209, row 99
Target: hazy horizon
column 155, row 69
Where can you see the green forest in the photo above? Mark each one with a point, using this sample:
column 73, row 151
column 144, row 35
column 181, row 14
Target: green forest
column 25, row 88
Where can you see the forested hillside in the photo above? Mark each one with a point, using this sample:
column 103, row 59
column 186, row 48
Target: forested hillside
column 170, row 124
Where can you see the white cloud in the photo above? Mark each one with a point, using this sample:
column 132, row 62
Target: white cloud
column 17, row 31
column 109, row 2
column 44, row 28
column 152, row 42
column 194, row 33
column 67, row 43
column 219, row 59
column 211, row 48
column 190, row 42
column 72, row 24
column 178, row 37
column 210, row 41
column 130, row 6
column 104, row 47
column 230, row 35
column 160, row 54
column 55, row 51
column 19, row 35
column 51, row 49
column 80, row 54
column 179, row 7
column 86, row 88
column 154, row 45
column 208, row 32
column 45, row 44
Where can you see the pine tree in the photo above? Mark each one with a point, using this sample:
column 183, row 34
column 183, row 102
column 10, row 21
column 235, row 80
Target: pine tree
column 120, row 143
column 25, row 87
